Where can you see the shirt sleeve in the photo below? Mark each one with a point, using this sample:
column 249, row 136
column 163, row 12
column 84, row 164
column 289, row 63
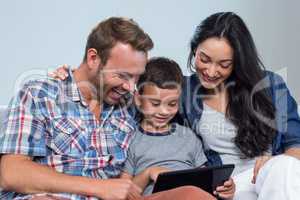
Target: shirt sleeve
column 129, row 166
column 287, row 117
column 23, row 131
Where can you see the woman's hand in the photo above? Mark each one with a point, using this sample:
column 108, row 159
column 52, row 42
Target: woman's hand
column 260, row 161
column 227, row 190
column 60, row 73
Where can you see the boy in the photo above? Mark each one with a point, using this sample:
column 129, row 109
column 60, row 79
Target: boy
column 160, row 145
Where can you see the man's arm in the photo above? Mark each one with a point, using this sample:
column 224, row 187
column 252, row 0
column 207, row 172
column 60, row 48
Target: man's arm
column 19, row 173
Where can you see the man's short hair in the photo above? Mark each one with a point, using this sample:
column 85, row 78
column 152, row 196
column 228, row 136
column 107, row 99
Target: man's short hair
column 116, row 29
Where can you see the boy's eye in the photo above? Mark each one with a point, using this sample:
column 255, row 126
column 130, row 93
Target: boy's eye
column 155, row 104
column 173, row 104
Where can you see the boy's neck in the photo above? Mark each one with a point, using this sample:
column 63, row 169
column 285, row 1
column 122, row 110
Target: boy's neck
column 146, row 126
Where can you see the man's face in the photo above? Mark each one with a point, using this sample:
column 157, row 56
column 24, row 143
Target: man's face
column 121, row 72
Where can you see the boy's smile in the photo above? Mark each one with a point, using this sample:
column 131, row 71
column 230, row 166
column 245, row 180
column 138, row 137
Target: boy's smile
column 158, row 106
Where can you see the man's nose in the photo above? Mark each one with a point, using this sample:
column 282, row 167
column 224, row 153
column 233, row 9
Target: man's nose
column 129, row 85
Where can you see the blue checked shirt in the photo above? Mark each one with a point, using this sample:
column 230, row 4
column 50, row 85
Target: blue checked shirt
column 49, row 121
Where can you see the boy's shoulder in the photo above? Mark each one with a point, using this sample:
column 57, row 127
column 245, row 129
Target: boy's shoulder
column 181, row 127
column 184, row 130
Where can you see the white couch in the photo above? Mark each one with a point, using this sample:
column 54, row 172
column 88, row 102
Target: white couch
column 2, row 110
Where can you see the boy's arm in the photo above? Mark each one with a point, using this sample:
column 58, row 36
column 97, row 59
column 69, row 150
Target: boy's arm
column 149, row 174
column 143, row 178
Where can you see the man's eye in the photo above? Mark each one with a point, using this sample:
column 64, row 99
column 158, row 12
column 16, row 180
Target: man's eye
column 123, row 76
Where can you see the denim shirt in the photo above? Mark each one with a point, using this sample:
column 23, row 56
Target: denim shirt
column 287, row 120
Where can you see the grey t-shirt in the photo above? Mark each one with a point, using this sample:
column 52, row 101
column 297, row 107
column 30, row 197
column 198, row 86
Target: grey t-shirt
column 177, row 149
column 218, row 134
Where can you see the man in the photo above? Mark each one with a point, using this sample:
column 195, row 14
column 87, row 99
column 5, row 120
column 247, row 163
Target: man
column 68, row 139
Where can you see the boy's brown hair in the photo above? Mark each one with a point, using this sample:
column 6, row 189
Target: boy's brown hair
column 161, row 72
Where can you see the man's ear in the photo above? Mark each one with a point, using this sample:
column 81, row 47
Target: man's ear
column 93, row 59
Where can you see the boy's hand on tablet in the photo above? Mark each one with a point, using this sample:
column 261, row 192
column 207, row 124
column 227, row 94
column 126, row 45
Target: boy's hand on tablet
column 155, row 171
column 227, row 190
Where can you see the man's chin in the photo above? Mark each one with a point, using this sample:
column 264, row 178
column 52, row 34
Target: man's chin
column 112, row 101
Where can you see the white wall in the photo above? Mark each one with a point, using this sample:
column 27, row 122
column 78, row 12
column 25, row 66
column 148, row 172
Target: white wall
column 37, row 35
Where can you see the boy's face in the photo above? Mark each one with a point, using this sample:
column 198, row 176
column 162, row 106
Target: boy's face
column 157, row 105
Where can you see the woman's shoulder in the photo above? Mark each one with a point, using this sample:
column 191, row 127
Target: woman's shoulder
column 277, row 80
column 274, row 75
column 191, row 79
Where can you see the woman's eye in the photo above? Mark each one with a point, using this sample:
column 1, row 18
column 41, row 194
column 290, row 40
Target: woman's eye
column 204, row 60
column 225, row 65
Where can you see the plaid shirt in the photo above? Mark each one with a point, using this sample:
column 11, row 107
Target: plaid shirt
column 49, row 121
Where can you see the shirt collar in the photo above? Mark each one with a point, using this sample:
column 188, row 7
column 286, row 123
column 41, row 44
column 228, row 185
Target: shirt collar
column 74, row 93
column 72, row 89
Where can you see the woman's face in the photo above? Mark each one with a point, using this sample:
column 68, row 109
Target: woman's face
column 213, row 62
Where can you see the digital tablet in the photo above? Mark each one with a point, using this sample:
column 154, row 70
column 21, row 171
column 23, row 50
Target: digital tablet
column 207, row 178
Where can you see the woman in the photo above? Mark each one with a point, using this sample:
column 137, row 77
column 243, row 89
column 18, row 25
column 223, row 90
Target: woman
column 243, row 113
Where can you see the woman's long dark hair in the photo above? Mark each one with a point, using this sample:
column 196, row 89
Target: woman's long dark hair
column 254, row 135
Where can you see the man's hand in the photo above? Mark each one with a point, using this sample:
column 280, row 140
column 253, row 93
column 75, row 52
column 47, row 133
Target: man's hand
column 260, row 161
column 119, row 189
column 60, row 73
column 227, row 190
